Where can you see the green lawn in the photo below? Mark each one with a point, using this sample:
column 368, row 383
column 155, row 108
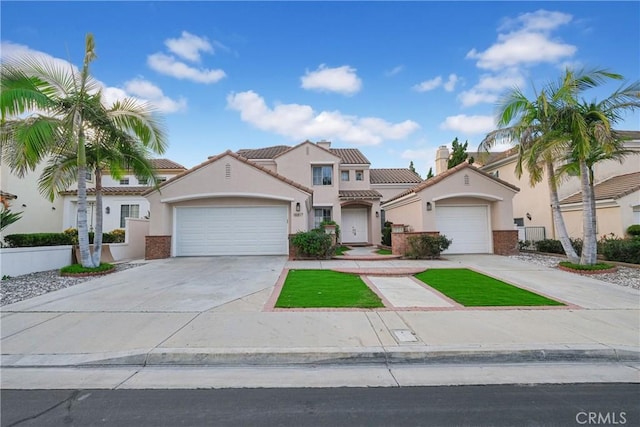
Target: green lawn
column 383, row 252
column 325, row 288
column 340, row 250
column 473, row 289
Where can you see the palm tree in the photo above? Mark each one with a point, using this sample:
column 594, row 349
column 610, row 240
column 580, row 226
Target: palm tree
column 531, row 123
column 593, row 141
column 63, row 106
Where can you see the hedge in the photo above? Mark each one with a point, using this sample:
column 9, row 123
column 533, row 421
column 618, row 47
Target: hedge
column 622, row 250
column 57, row 239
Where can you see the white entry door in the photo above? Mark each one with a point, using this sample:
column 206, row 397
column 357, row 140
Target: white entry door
column 354, row 227
column 467, row 226
column 242, row 230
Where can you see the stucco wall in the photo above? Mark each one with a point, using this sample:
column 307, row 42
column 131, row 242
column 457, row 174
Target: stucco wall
column 409, row 212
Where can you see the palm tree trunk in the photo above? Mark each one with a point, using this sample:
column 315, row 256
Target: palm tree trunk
column 83, row 227
column 558, row 220
column 97, row 237
column 590, row 244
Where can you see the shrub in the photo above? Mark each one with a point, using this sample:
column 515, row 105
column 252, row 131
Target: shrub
column 552, row 246
column 426, row 246
column 37, row 239
column 79, row 269
column 582, row 267
column 323, row 223
column 115, row 236
column 622, row 250
column 634, row 230
column 313, row 244
column 386, row 233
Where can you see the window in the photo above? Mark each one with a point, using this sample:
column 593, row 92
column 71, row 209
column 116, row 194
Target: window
column 322, row 175
column 128, row 211
column 319, row 215
column 518, row 222
column 89, row 176
column 344, row 175
column 359, row 176
column 124, row 181
column 143, row 181
column 161, row 179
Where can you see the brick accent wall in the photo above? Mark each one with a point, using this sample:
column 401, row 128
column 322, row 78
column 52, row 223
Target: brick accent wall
column 157, row 247
column 400, row 243
column 505, row 242
column 292, row 249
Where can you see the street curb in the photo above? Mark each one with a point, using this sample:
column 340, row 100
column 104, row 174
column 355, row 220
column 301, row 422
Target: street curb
column 323, row 356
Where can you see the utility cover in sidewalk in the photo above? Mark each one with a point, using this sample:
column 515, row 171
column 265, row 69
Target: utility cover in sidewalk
column 404, row 335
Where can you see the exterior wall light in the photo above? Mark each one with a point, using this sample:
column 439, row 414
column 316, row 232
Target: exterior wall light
column 298, row 207
column 429, row 207
column 377, row 214
column 107, row 210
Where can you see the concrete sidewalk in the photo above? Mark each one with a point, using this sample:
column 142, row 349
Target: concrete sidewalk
column 176, row 312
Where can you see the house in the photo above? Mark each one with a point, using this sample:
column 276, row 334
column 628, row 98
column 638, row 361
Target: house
column 616, row 186
column 121, row 199
column 468, row 206
column 252, row 201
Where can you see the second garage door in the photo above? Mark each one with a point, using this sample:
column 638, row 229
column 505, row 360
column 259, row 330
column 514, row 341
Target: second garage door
column 250, row 230
column 467, row 226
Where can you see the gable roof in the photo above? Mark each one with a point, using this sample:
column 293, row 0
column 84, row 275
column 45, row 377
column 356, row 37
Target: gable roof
column 612, row 188
column 166, row 164
column 440, row 177
column 263, row 153
column 240, row 159
column 393, row 176
column 350, row 156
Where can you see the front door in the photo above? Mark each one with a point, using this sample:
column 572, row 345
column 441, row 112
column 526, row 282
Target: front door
column 354, row 228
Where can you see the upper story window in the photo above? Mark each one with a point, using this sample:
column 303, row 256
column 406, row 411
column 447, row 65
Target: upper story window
column 161, row 179
column 322, row 175
column 344, row 176
column 124, row 181
column 359, row 175
column 89, row 176
column 143, row 181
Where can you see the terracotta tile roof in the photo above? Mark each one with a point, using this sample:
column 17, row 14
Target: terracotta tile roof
column 358, row 194
column 111, row 191
column 239, row 158
column 263, row 153
column 350, row 156
column 436, row 179
column 393, row 176
column 612, row 188
column 166, row 164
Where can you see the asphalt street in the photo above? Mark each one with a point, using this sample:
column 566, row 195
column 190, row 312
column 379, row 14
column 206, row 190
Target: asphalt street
column 496, row 405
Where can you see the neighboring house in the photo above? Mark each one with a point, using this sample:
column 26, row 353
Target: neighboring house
column 465, row 204
column 617, row 195
column 251, row 201
column 121, row 198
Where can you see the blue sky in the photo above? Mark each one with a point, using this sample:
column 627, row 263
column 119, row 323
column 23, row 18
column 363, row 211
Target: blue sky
column 395, row 79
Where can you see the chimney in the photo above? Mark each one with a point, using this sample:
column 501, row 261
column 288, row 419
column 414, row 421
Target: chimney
column 442, row 158
column 324, row 144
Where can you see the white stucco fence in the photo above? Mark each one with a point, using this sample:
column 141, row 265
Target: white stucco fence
column 19, row 261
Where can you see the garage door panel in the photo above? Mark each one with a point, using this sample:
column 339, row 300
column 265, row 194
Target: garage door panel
column 231, row 231
column 466, row 226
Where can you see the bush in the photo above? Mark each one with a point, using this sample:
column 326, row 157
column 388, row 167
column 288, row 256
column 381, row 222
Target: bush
column 323, row 223
column 386, row 233
column 634, row 230
column 622, row 250
column 313, row 244
column 582, row 267
column 115, row 236
column 426, row 246
column 38, row 239
column 552, row 246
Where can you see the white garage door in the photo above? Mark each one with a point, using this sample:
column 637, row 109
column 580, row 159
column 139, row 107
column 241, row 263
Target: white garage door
column 467, row 226
column 247, row 230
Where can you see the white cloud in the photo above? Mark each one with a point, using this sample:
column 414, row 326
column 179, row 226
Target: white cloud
column 529, row 43
column 450, row 85
column 422, row 154
column 468, row 124
column 154, row 95
column 343, row 80
column 300, row 122
column 140, row 90
column 166, row 64
column 428, row 85
column 189, row 46
column 395, row 70
column 490, row 86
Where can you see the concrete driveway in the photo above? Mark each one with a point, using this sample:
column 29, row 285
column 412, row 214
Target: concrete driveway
column 169, row 285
